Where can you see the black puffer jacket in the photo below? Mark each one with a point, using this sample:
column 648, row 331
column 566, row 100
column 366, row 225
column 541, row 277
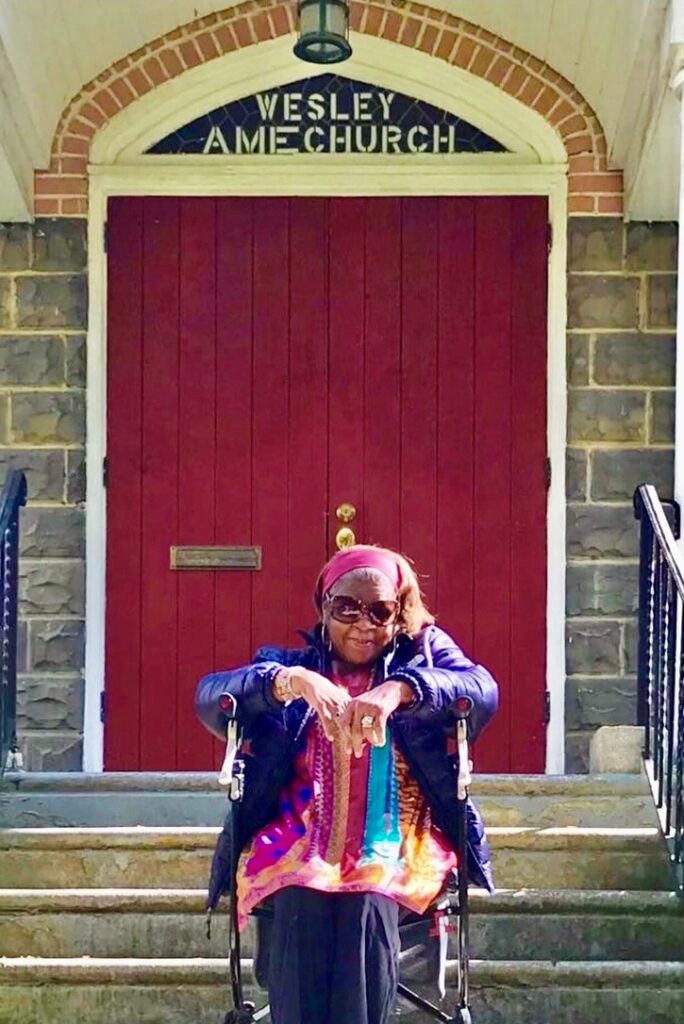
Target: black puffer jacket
column 439, row 673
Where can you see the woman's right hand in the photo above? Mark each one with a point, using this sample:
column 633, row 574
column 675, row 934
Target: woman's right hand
column 328, row 700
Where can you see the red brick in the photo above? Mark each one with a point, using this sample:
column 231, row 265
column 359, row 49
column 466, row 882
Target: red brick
column 73, row 207
column 280, row 18
column 121, row 65
column 488, row 37
column 580, row 204
column 92, row 114
column 545, row 101
column 107, row 102
column 190, row 54
column 465, row 51
column 610, row 204
column 530, row 91
column 573, row 125
column 578, row 144
column 261, row 26
column 155, row 71
column 356, row 16
column 499, row 70
column 44, row 207
column 75, row 145
column 207, row 46
column 560, row 112
column 535, row 65
column 172, row 37
column 138, row 82
column 242, row 32
column 596, row 182
column 122, row 91
column 515, row 81
column 411, row 30
column 57, row 185
column 171, row 61
column 73, row 165
column 582, row 164
column 393, row 26
column 428, row 39
column 446, row 45
column 482, row 62
column 78, row 127
column 371, row 21
column 225, row 39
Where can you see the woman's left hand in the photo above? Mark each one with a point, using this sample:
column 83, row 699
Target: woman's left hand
column 376, row 704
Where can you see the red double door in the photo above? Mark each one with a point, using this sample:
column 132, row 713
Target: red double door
column 270, row 359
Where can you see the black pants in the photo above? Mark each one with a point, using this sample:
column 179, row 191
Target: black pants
column 333, row 958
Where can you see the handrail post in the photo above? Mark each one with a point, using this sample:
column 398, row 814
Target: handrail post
column 12, row 499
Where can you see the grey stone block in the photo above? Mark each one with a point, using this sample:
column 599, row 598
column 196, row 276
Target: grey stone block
column 51, row 589
column 76, row 478
column 617, row 748
column 4, row 419
column 593, row 648
column 14, row 247
column 59, row 243
column 48, row 301
column 595, row 243
column 616, row 474
column 597, row 415
column 44, row 472
column 49, row 703
column 590, row 703
column 635, row 359
column 55, row 645
column 6, row 302
column 596, row 589
column 75, row 362
column 578, row 359
column 52, row 753
column 22, row 645
column 48, row 417
column 576, row 474
column 630, row 647
column 662, row 300
column 52, row 533
column 31, row 360
column 662, row 417
column 577, row 752
column 652, row 246
column 597, row 301
column 600, row 531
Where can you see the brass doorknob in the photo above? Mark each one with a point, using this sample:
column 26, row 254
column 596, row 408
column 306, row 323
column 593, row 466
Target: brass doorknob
column 345, row 512
column 344, row 538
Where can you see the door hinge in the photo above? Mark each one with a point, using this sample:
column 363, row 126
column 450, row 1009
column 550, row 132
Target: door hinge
column 105, row 235
column 547, row 472
column 549, row 238
column 547, row 707
column 105, row 471
column 103, row 706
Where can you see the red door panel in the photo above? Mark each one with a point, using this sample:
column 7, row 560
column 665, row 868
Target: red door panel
column 268, row 360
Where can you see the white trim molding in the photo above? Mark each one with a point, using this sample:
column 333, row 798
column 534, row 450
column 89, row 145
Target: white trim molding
column 536, row 165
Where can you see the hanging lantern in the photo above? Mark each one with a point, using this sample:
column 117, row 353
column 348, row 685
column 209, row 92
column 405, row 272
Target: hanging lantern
column 323, row 31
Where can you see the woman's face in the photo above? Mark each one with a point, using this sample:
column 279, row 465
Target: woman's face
column 361, row 642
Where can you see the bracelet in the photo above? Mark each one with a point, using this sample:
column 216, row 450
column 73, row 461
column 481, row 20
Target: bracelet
column 282, row 686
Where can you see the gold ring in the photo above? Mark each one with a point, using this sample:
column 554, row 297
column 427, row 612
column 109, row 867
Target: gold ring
column 367, row 722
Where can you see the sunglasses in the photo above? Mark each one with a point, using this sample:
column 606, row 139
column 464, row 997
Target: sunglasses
column 349, row 609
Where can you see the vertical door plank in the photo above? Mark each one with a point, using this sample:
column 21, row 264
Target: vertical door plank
column 492, row 539
column 419, row 388
column 528, row 495
column 271, row 470
column 455, row 417
column 158, row 710
column 197, row 382
column 233, row 493
column 346, row 333
column 308, row 377
column 124, row 452
column 382, row 388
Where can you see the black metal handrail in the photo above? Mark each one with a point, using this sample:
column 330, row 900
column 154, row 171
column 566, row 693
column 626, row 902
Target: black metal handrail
column 660, row 672
column 12, row 498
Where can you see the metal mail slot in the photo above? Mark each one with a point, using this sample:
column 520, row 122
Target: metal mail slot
column 211, row 557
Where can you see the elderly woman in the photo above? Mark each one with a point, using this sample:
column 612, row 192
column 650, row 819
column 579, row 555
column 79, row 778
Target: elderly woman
column 348, row 815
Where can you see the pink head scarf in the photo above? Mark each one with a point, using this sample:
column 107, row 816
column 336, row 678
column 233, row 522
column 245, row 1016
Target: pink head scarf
column 360, row 556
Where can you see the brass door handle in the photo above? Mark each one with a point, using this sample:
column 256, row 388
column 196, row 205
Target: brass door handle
column 346, row 512
column 344, row 538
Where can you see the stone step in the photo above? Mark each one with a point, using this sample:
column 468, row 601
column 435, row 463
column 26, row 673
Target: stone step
column 533, row 924
column 193, row 798
column 179, row 857
column 195, row 991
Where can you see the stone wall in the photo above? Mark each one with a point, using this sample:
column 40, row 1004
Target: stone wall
column 42, row 430
column 621, row 359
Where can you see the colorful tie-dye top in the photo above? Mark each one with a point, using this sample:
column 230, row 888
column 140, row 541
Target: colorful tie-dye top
column 348, row 824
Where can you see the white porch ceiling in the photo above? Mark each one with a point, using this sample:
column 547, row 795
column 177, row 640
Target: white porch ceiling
column 616, row 52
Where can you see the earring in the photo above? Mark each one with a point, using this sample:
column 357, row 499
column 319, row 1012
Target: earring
column 327, row 642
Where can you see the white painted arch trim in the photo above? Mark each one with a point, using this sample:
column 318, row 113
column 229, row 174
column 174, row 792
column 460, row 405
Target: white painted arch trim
column 375, row 61
column 118, row 170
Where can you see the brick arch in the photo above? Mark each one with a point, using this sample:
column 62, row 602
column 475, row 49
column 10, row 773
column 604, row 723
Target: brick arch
column 62, row 190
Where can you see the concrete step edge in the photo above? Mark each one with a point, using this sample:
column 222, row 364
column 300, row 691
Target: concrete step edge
column 193, row 837
column 560, row 902
column 206, row 782
column 206, row 971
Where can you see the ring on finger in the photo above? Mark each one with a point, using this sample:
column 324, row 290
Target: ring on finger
column 367, row 722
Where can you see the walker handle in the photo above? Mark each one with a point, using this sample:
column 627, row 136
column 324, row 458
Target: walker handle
column 228, row 706
column 462, row 706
